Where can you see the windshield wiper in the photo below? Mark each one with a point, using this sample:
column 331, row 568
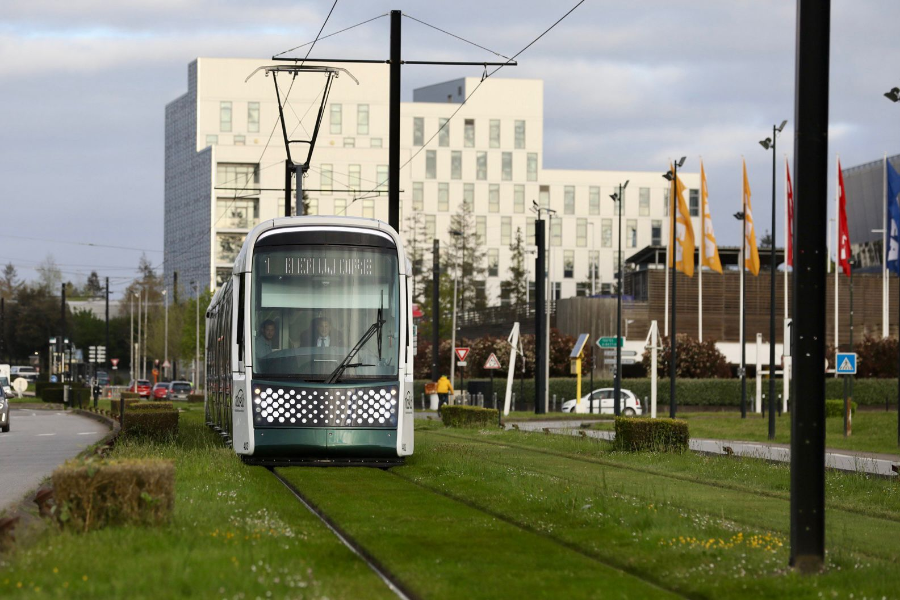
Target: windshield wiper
column 345, row 364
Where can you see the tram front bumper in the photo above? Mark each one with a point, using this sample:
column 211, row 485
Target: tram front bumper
column 325, row 442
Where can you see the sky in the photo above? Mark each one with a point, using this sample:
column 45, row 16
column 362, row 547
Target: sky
column 628, row 86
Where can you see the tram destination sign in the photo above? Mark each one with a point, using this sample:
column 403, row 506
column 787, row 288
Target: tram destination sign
column 293, row 264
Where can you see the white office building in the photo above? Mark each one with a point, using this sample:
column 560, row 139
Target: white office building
column 224, row 171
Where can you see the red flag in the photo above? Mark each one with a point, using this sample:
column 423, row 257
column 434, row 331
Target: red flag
column 790, row 215
column 843, row 233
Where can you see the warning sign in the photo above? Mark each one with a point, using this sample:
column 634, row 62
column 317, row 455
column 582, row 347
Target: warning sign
column 846, row 363
column 461, row 354
column 492, row 362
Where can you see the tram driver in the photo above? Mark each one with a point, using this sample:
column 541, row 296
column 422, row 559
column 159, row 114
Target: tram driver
column 322, row 335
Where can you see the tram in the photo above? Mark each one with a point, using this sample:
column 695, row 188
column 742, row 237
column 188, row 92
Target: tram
column 310, row 345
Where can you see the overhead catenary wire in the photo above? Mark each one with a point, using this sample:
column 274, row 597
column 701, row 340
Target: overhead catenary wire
column 453, row 35
column 325, row 37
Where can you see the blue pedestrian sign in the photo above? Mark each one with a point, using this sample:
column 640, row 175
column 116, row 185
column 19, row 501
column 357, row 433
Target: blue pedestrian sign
column 846, row 363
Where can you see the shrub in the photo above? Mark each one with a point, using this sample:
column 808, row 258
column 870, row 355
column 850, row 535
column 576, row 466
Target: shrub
column 114, row 405
column 130, row 395
column 56, row 394
column 877, row 357
column 149, row 406
column 696, row 359
column 97, row 493
column 658, row 435
column 835, row 408
column 157, row 424
column 469, row 417
column 196, row 398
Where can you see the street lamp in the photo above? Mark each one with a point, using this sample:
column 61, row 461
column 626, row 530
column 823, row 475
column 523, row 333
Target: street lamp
column 166, row 337
column 770, row 143
column 457, row 234
column 672, row 175
column 196, row 287
column 740, row 216
column 619, row 199
column 893, row 95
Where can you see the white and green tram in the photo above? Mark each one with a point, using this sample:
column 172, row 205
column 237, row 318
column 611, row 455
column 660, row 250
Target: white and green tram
column 310, row 345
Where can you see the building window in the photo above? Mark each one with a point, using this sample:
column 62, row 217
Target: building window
column 694, row 196
column 532, row 166
column 594, row 264
column 656, row 233
column 430, row 164
column 520, row 135
column 381, row 176
column 507, row 166
column 469, row 194
column 480, row 229
column 569, row 203
column 225, row 116
column 644, row 202
column 481, row 166
column 239, row 140
column 281, row 208
column 494, row 198
column 340, row 206
column 418, row 195
column 312, row 206
column 368, row 208
column 443, row 197
column 495, row 133
column 606, row 233
column 456, row 164
column 362, row 119
column 253, row 117
column 556, row 294
column 493, row 262
column 212, row 140
column 349, row 142
column 429, row 227
column 581, row 226
column 617, row 256
column 234, row 213
column 556, row 232
column 569, row 264
column 327, row 179
column 418, row 131
column 228, row 245
column 236, row 175
column 544, row 196
column 375, row 143
column 353, row 179
column 594, row 200
column 444, row 133
column 469, row 138
column 582, row 289
column 519, row 199
column 336, row 119
column 506, row 230
column 529, row 231
column 666, row 202
column 631, row 233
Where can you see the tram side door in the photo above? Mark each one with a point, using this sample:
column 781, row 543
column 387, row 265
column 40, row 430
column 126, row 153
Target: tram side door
column 240, row 348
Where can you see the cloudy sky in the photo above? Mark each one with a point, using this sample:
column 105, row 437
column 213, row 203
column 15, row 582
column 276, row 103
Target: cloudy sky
column 627, row 86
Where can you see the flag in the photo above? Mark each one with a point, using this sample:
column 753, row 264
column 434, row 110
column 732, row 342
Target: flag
column 893, row 219
column 710, row 256
column 843, row 232
column 751, row 253
column 790, row 215
column 684, row 232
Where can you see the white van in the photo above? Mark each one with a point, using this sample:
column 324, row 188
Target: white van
column 29, row 373
column 6, row 380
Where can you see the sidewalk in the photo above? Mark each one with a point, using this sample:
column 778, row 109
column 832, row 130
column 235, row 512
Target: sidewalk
column 842, row 460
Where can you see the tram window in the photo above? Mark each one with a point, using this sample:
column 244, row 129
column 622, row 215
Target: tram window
column 240, row 319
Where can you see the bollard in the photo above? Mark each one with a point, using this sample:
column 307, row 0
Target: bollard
column 554, row 403
column 779, row 405
column 65, row 395
column 497, row 406
column 423, row 400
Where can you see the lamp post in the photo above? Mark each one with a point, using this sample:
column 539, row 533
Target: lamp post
column 165, row 293
column 894, row 96
column 619, row 199
column 457, row 234
column 767, row 144
column 196, row 287
column 672, row 176
column 740, row 216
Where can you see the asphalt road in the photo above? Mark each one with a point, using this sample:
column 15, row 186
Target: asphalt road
column 38, row 441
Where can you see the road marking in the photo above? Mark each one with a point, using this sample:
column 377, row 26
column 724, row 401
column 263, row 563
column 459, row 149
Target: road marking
column 43, row 434
column 86, row 433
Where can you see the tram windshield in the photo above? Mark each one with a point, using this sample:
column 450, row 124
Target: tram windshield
column 313, row 305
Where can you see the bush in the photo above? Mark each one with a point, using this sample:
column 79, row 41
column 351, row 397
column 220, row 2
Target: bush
column 130, row 395
column 196, row 398
column 156, row 424
column 877, row 357
column 149, row 406
column 696, row 359
column 657, row 435
column 95, row 494
column 56, row 394
column 114, row 405
column 469, row 417
column 835, row 408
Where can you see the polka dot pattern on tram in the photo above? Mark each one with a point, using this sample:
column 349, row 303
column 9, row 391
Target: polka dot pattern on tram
column 275, row 406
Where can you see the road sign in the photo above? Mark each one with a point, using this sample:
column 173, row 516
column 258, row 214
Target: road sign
column 166, row 365
column 610, row 342
column 461, row 354
column 611, row 353
column 628, row 353
column 629, row 361
column 846, row 363
column 461, row 363
column 609, row 361
column 492, row 362
column 20, row 384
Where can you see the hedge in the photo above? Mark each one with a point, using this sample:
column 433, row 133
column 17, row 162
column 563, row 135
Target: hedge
column 689, row 392
column 835, row 408
column 469, row 417
column 130, row 395
column 114, row 405
column 56, row 394
column 157, row 424
column 198, row 398
column 149, row 406
column 656, row 435
column 95, row 494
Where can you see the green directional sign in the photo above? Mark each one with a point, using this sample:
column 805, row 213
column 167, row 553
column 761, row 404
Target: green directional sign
column 610, row 342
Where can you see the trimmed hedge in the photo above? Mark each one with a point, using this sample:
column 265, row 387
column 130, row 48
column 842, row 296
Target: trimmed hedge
column 196, row 398
column 471, row 417
column 835, row 408
column 155, row 405
column 656, row 435
column 157, row 424
column 56, row 394
column 130, row 395
column 96, row 493
column 114, row 405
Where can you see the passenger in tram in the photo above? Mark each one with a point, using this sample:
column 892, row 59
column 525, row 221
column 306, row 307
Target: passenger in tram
column 264, row 343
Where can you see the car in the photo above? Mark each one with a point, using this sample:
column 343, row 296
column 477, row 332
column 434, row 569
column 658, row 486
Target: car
column 140, row 386
column 601, row 402
column 4, row 411
column 102, row 378
column 29, row 373
column 179, row 390
column 160, row 391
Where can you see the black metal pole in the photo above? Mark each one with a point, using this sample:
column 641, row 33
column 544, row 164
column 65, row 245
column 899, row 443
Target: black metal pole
column 848, row 381
column 298, row 187
column 394, row 126
column 591, row 394
column 810, row 186
column 672, row 329
column 540, row 278
column 62, row 341
column 2, row 328
column 772, row 303
column 617, row 409
column 106, row 362
column 288, row 172
column 743, row 312
column 898, row 368
column 435, row 310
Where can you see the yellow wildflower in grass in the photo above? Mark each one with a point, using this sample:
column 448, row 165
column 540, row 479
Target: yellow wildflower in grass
column 56, row 569
column 84, row 577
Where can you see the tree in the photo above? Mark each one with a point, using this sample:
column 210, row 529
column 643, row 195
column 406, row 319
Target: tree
column 466, row 259
column 517, row 283
column 700, row 360
column 766, row 240
column 93, row 287
column 418, row 249
column 9, row 281
column 49, row 275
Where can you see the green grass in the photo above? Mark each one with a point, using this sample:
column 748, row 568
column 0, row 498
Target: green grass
column 523, row 415
column 872, row 431
column 236, row 533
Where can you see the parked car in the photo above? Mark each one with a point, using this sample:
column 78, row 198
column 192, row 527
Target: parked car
column 29, row 373
column 4, row 411
column 141, row 386
column 160, row 391
column 179, row 390
column 5, row 377
column 601, row 402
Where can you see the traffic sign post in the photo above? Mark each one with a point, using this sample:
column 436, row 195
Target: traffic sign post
column 610, row 342
column 492, row 364
column 845, row 364
column 461, row 354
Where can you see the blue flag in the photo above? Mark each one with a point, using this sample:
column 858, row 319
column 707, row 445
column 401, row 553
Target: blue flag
column 893, row 219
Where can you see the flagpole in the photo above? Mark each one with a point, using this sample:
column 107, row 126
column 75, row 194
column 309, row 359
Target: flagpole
column 837, row 253
column 666, row 300
column 787, row 239
column 885, row 299
column 788, row 245
column 742, row 316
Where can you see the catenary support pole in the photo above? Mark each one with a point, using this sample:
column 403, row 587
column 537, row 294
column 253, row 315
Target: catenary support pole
column 62, row 309
column 539, row 291
column 436, row 311
column 811, row 185
column 288, row 173
column 106, row 361
column 394, row 126
column 617, row 392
